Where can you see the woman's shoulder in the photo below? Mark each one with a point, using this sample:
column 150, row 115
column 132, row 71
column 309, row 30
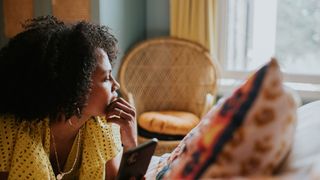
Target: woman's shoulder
column 100, row 122
column 101, row 139
column 12, row 129
column 8, row 131
column 104, row 132
column 8, row 125
column 25, row 146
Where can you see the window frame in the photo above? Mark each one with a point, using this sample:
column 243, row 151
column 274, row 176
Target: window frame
column 230, row 79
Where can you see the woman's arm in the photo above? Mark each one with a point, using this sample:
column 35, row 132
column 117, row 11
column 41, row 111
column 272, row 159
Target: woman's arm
column 126, row 119
column 124, row 114
column 112, row 167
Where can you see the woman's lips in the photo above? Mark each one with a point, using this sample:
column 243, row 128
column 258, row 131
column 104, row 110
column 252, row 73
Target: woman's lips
column 115, row 97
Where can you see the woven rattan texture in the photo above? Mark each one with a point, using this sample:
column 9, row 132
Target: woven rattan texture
column 168, row 74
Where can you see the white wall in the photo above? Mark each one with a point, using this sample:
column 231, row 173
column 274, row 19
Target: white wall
column 127, row 19
column 158, row 22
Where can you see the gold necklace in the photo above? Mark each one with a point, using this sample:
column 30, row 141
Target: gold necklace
column 61, row 174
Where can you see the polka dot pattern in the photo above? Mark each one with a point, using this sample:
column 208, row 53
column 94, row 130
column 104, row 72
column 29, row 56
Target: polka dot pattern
column 25, row 148
column 103, row 141
column 8, row 132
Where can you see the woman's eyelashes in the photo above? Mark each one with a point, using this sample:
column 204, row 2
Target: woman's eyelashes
column 108, row 78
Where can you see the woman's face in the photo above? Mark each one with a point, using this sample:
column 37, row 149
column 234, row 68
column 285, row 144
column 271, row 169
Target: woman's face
column 104, row 87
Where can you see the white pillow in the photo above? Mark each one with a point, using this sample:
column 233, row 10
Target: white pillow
column 305, row 154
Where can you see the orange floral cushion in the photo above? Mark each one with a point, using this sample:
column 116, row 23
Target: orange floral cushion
column 250, row 133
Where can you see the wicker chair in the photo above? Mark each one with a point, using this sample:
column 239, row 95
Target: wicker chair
column 169, row 74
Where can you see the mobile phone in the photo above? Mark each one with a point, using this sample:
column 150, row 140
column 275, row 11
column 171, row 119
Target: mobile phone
column 135, row 161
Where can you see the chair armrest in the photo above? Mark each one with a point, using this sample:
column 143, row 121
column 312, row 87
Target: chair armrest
column 131, row 102
column 209, row 102
column 130, row 99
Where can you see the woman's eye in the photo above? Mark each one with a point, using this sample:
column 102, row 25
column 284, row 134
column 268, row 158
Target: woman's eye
column 108, row 78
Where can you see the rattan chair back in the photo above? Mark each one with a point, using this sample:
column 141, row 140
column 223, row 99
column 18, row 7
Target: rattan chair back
column 168, row 74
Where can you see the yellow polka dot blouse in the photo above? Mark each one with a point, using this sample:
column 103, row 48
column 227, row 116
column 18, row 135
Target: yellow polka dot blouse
column 25, row 146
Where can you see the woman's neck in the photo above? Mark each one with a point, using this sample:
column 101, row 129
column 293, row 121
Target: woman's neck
column 67, row 130
column 63, row 133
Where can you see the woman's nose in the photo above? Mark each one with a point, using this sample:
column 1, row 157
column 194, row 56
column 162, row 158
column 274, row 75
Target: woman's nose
column 116, row 85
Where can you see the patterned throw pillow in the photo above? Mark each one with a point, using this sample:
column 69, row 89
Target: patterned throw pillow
column 249, row 134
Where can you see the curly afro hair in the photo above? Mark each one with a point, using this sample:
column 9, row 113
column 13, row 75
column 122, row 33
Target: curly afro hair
column 46, row 69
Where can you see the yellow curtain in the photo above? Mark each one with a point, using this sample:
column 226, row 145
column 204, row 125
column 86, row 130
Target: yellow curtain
column 195, row 20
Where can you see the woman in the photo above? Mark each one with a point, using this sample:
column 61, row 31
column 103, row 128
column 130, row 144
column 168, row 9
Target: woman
column 60, row 116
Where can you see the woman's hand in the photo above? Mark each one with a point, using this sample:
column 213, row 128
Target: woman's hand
column 123, row 114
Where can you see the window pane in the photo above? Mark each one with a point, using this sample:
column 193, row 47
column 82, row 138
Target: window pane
column 287, row 29
column 298, row 36
column 239, row 34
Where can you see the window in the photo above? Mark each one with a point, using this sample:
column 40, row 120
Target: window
column 252, row 31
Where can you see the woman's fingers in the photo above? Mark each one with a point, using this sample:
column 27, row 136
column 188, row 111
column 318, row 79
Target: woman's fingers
column 125, row 108
column 126, row 103
column 120, row 106
column 128, row 128
column 121, row 101
column 123, row 114
column 119, row 113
